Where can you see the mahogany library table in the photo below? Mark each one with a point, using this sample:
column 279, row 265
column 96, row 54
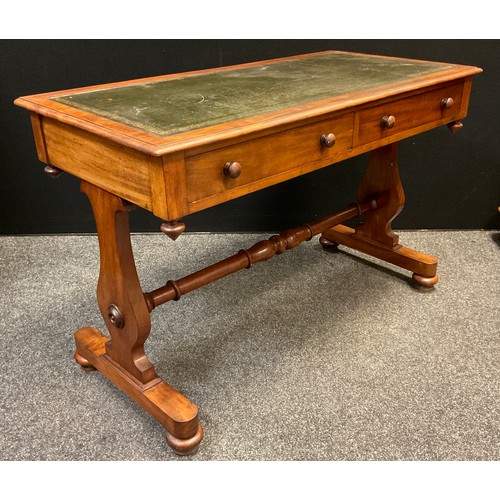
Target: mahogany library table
column 178, row 144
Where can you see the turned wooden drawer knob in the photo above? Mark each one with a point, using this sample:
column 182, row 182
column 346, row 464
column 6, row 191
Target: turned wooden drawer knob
column 388, row 121
column 232, row 169
column 447, row 103
column 327, row 140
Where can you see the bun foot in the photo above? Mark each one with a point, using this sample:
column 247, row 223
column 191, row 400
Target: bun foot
column 329, row 246
column 187, row 446
column 423, row 284
column 84, row 363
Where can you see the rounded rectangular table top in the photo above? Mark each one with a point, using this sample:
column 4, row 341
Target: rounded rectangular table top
column 183, row 103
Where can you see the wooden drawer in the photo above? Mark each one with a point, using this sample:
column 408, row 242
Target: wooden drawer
column 267, row 160
column 409, row 114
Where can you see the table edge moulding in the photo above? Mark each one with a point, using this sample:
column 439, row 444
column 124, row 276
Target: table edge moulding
column 178, row 144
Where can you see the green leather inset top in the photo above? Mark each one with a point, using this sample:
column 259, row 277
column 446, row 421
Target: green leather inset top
column 180, row 104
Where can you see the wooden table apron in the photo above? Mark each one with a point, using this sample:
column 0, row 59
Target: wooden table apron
column 178, row 144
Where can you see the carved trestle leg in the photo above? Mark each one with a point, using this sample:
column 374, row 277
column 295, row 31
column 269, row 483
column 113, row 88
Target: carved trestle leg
column 375, row 235
column 123, row 307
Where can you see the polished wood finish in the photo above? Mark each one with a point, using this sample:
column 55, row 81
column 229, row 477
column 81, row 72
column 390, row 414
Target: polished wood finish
column 84, row 363
column 455, row 126
column 52, row 171
column 115, row 316
column 408, row 114
column 260, row 252
column 447, row 102
column 118, row 284
column 158, row 146
column 120, row 298
column 173, row 175
column 328, row 140
column 264, row 161
column 232, row 169
column 173, row 229
column 375, row 235
column 329, row 246
column 424, row 284
column 36, row 125
column 388, row 121
column 178, row 175
column 406, row 258
column 171, row 409
column 382, row 179
column 122, row 171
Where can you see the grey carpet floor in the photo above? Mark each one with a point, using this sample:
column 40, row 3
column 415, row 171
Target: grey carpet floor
column 311, row 356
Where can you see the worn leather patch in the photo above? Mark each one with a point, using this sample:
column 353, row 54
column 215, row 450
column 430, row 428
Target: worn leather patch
column 170, row 106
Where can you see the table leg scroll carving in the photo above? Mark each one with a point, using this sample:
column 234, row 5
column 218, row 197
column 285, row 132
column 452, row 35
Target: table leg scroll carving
column 375, row 236
column 119, row 294
column 382, row 182
column 121, row 301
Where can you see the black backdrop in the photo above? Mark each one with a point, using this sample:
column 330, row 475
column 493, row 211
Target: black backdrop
column 451, row 182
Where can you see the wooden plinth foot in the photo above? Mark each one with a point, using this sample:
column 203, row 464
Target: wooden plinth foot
column 423, row 284
column 422, row 265
column 374, row 236
column 84, row 363
column 170, row 408
column 329, row 246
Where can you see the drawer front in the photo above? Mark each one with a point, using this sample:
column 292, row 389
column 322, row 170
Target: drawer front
column 261, row 159
column 403, row 115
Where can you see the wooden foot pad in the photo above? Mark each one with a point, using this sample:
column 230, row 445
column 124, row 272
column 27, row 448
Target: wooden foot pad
column 423, row 284
column 84, row 363
column 185, row 446
column 170, row 408
column 329, row 246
